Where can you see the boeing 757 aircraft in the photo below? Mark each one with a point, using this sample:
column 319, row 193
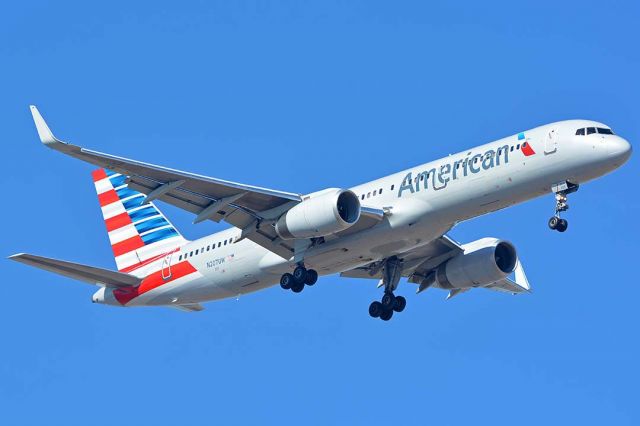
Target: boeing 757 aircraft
column 386, row 229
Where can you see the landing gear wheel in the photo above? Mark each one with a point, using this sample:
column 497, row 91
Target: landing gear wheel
column 311, row 277
column 399, row 304
column 562, row 225
column 299, row 274
column 388, row 301
column 297, row 287
column 375, row 309
column 386, row 315
column 553, row 222
column 286, row 281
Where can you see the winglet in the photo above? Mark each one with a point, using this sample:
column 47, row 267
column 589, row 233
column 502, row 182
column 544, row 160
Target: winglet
column 46, row 137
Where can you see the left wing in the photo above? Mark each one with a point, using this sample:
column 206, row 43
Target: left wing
column 243, row 206
column 251, row 208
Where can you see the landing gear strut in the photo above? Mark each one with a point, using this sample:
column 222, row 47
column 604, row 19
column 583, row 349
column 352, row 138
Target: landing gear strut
column 390, row 303
column 296, row 281
column 561, row 191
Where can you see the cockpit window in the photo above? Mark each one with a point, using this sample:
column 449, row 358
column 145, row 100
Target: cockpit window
column 591, row 130
column 580, row 132
column 604, row 131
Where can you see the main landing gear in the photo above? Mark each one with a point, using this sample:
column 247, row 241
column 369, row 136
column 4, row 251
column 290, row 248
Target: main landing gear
column 390, row 303
column 561, row 191
column 296, row 281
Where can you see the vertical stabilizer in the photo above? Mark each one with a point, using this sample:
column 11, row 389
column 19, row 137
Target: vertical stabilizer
column 138, row 231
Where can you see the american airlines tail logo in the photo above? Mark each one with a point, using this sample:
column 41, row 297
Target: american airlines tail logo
column 471, row 164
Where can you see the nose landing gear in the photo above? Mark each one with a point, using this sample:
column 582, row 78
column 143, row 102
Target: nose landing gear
column 296, row 281
column 561, row 191
column 390, row 303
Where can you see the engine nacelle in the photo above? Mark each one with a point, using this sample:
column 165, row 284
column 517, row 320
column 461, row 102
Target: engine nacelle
column 483, row 262
column 324, row 213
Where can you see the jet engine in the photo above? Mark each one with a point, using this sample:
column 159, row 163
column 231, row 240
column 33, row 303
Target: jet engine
column 323, row 213
column 483, row 262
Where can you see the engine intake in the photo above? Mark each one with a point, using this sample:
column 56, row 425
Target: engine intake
column 323, row 213
column 483, row 262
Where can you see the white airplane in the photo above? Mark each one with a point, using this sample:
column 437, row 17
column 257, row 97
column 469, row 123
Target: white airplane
column 385, row 229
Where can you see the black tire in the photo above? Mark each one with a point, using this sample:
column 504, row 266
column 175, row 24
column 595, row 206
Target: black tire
column 400, row 304
column 286, row 280
column 375, row 309
column 311, row 278
column 553, row 222
column 562, row 225
column 297, row 287
column 299, row 274
column 388, row 300
column 386, row 315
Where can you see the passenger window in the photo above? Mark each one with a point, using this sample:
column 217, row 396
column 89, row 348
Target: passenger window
column 591, row 130
column 380, row 192
column 511, row 148
column 219, row 244
column 518, row 146
column 392, row 186
column 191, row 254
column 225, row 242
column 375, row 191
column 580, row 132
column 524, row 145
column 208, row 247
column 363, row 196
column 604, row 131
column 196, row 252
column 180, row 258
column 368, row 195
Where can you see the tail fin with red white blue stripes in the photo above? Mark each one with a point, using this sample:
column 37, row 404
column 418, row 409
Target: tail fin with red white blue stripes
column 138, row 231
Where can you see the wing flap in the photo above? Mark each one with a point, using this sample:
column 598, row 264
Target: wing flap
column 78, row 271
column 188, row 307
column 419, row 261
column 519, row 283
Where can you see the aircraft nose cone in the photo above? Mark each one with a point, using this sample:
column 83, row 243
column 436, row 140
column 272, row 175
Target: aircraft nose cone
column 619, row 149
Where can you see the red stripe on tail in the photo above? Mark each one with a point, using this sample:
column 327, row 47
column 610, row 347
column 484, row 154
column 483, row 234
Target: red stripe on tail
column 108, row 197
column 127, row 245
column 98, row 175
column 117, row 221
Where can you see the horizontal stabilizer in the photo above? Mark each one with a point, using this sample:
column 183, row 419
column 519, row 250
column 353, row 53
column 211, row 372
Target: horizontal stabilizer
column 77, row 271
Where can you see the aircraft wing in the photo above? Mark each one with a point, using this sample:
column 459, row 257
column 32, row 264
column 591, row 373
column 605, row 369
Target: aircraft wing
column 250, row 208
column 418, row 263
column 78, row 271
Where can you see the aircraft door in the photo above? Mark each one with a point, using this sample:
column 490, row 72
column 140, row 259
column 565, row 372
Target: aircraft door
column 166, row 266
column 551, row 141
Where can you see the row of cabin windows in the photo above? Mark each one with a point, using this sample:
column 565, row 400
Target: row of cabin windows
column 592, row 130
column 203, row 249
column 458, row 165
column 373, row 194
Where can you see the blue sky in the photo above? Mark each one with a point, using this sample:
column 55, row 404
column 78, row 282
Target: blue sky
column 300, row 96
